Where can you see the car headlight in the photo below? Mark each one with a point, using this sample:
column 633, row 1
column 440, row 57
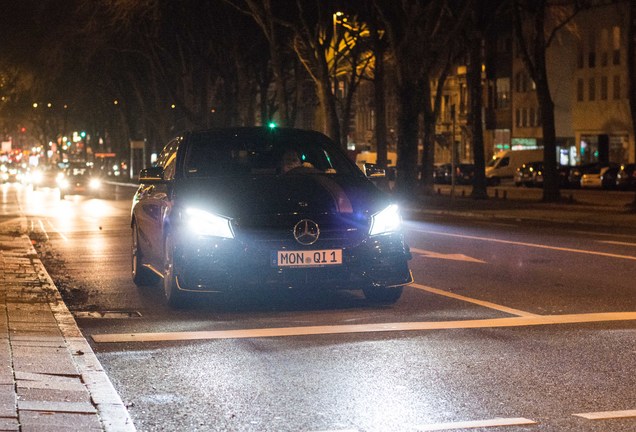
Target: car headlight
column 37, row 177
column 208, row 224
column 95, row 183
column 386, row 221
column 63, row 183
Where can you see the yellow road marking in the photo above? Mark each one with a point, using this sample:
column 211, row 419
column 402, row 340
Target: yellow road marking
column 476, row 424
column 454, row 257
column 366, row 328
column 617, row 243
column 602, row 415
column 472, row 300
column 535, row 245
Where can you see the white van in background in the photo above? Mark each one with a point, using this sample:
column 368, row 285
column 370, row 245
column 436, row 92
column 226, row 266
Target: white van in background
column 504, row 164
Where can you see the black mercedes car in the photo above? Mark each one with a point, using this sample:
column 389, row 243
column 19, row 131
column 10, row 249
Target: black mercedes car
column 227, row 209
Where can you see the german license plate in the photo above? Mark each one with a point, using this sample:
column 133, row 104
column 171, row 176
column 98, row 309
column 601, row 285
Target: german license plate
column 308, row 258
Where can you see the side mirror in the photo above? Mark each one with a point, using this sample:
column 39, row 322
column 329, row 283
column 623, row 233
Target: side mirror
column 373, row 171
column 151, row 175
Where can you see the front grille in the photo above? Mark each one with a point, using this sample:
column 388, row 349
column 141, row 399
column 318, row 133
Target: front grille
column 278, row 232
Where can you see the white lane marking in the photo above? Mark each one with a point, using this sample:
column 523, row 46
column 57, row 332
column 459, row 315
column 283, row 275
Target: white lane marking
column 472, row 300
column 366, row 328
column 454, row 257
column 338, row 430
column 476, row 424
column 603, row 415
column 540, row 246
column 617, row 243
column 57, row 231
column 43, row 229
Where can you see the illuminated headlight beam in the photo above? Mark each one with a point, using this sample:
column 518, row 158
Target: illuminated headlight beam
column 386, row 221
column 95, row 183
column 208, row 224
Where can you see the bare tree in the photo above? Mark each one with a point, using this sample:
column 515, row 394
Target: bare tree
column 537, row 23
column 418, row 35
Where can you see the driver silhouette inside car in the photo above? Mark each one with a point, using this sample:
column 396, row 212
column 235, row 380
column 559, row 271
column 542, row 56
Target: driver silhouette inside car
column 292, row 162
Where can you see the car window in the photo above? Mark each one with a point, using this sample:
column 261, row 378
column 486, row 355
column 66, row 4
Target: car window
column 211, row 155
column 504, row 162
column 492, row 162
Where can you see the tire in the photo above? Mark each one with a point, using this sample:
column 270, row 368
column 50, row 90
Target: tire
column 175, row 297
column 140, row 274
column 383, row 295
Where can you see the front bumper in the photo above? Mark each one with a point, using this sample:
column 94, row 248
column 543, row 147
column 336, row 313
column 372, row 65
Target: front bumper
column 219, row 265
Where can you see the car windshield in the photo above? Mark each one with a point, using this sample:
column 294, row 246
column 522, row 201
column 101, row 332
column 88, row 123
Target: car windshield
column 214, row 155
column 493, row 162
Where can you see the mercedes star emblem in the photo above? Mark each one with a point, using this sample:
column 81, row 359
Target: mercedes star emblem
column 306, row 232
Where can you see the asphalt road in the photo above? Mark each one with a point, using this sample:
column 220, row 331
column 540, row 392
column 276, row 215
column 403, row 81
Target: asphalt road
column 514, row 327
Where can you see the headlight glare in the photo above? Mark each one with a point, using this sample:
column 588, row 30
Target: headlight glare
column 95, row 183
column 63, row 183
column 208, row 224
column 385, row 221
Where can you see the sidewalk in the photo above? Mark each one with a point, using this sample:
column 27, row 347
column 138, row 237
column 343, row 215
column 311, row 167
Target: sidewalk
column 577, row 207
column 50, row 379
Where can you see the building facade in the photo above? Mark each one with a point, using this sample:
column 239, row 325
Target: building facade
column 601, row 114
column 588, row 79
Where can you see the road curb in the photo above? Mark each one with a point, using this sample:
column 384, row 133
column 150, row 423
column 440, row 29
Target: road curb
column 110, row 408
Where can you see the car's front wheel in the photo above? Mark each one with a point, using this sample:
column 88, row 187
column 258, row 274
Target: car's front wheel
column 140, row 275
column 383, row 295
column 175, row 297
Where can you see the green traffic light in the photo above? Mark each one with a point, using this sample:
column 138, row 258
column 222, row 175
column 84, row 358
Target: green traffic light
column 271, row 125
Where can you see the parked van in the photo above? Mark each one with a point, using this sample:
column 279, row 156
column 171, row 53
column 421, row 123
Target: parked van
column 504, row 164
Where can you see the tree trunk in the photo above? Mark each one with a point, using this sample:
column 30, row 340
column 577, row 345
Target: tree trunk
column 379, row 102
column 550, row 175
column 409, row 105
column 329, row 111
column 428, row 154
column 473, row 80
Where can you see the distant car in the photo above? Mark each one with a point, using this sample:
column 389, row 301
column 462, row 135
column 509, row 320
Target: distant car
column 626, row 177
column 44, row 177
column 441, row 173
column 564, row 173
column 591, row 177
column 79, row 179
column 526, row 174
column 229, row 209
column 464, row 173
column 608, row 178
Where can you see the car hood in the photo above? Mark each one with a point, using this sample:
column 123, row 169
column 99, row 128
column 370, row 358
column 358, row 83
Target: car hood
column 280, row 195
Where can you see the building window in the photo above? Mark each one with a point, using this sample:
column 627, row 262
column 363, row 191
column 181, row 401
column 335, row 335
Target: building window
column 518, row 117
column 539, row 121
column 592, row 89
column 604, row 88
column 579, row 90
column 532, row 120
column 591, row 55
column 604, row 47
column 503, row 92
column 617, row 87
column 616, row 45
column 524, row 117
column 521, row 82
column 580, row 62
